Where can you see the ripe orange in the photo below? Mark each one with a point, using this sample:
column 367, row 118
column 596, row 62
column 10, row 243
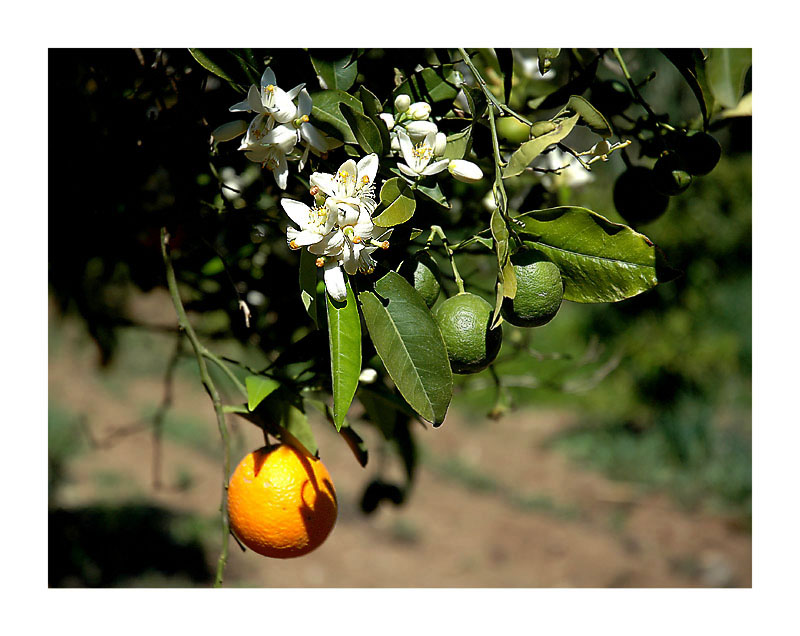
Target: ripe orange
column 281, row 502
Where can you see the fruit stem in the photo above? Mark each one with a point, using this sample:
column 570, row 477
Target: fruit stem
column 637, row 95
column 436, row 230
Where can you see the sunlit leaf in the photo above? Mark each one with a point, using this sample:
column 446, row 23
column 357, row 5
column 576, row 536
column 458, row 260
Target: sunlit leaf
column 600, row 261
column 397, row 203
column 410, row 345
column 308, row 283
column 593, row 117
column 344, row 331
column 326, row 112
column 258, row 388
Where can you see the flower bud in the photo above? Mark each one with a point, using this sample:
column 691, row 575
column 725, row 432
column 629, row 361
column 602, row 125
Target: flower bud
column 419, row 110
column 440, row 144
column 465, row 171
column 229, row 131
column 368, row 376
column 388, row 119
column 418, row 130
column 401, row 103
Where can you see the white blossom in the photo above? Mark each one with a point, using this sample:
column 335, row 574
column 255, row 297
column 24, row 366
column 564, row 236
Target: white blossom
column 418, row 157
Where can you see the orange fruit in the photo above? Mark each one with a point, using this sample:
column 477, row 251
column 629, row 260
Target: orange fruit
column 281, row 502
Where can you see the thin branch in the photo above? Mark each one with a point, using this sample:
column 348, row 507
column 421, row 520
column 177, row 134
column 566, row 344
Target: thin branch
column 211, row 389
column 166, row 403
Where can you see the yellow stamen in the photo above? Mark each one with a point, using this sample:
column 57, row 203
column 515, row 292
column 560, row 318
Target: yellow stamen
column 356, row 239
column 313, row 191
column 365, row 179
column 304, row 118
column 385, row 245
column 320, row 262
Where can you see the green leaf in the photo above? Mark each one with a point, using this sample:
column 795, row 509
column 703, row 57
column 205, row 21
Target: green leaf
column 333, row 67
column 726, row 70
column 576, row 86
column 372, row 109
column 213, row 67
column 434, row 193
column 600, row 261
column 505, row 58
column 593, row 118
column 410, row 345
column 213, row 266
column 344, row 330
column 326, row 112
column 295, row 428
column 397, row 203
column 528, row 151
column 258, row 388
column 308, row 283
column 364, row 130
column 690, row 63
column 458, row 144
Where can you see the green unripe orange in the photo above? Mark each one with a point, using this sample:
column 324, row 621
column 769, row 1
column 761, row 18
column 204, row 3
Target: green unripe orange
column 540, row 290
column 512, row 130
column 700, row 153
column 464, row 320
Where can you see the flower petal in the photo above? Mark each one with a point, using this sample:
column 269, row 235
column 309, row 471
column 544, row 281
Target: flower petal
column 405, row 147
column 313, row 137
column 325, row 182
column 406, row 170
column 304, row 103
column 297, row 211
column 294, row 92
column 347, row 175
column 229, row 131
column 306, row 237
column 367, row 167
column 436, row 167
column 267, row 78
column 284, row 136
column 281, row 172
column 330, row 244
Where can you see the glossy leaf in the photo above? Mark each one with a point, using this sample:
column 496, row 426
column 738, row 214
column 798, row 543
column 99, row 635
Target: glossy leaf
column 258, row 388
column 593, row 117
column 326, row 112
column 364, row 130
column 432, row 85
column 308, row 283
column 528, row 151
column 281, row 415
column 372, row 109
column 397, row 203
column 297, row 429
column 600, row 261
column 334, row 68
column 344, row 331
column 410, row 345
column 725, row 71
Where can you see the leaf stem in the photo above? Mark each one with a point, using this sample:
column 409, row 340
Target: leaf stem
column 436, row 230
column 637, row 95
column 211, row 389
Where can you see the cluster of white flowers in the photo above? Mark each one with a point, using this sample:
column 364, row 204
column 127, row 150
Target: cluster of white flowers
column 279, row 126
column 421, row 144
column 339, row 228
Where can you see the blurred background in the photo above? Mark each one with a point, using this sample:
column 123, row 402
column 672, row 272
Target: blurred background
column 616, row 452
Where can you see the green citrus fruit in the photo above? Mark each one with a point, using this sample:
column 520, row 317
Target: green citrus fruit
column 423, row 274
column 464, row 321
column 670, row 176
column 636, row 198
column 539, row 291
column 700, row 153
column 512, row 130
column 539, row 128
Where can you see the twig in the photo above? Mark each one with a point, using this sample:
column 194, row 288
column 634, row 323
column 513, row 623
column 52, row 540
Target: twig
column 211, row 389
column 166, row 402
